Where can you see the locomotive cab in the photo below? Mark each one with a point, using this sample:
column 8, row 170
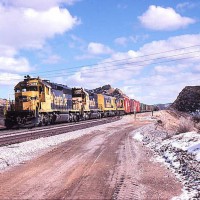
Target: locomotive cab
column 27, row 95
column 31, row 96
column 81, row 101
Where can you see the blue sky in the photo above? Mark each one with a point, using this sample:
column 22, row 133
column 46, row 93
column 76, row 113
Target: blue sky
column 149, row 49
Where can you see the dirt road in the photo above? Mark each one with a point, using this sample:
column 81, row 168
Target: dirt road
column 103, row 165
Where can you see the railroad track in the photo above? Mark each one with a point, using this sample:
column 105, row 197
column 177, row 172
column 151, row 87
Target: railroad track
column 13, row 137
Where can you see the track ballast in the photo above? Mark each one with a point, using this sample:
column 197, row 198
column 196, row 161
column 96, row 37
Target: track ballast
column 14, row 137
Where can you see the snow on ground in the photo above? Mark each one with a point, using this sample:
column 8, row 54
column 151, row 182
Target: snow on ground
column 16, row 154
column 138, row 136
column 181, row 153
column 189, row 142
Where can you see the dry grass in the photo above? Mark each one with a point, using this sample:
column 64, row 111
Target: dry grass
column 172, row 123
column 185, row 125
column 196, row 117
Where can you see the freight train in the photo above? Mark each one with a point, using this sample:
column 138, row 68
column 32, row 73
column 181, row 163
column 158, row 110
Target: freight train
column 40, row 102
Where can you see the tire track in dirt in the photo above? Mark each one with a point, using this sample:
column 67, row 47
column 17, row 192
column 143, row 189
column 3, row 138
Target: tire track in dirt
column 100, row 165
column 126, row 180
column 92, row 183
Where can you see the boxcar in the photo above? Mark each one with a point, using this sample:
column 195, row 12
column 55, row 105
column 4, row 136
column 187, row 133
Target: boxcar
column 127, row 105
column 137, row 106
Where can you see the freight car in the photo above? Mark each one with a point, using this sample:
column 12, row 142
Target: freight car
column 39, row 102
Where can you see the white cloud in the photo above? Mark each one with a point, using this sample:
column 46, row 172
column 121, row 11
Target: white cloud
column 7, row 50
column 94, row 50
column 121, row 41
column 167, row 69
column 77, row 42
column 10, row 78
column 196, row 69
column 22, row 26
column 186, row 5
column 10, row 64
column 166, row 48
column 98, row 49
column 29, row 28
column 139, row 75
column 106, row 71
column 27, row 25
column 36, row 4
column 52, row 59
column 159, row 18
column 166, row 88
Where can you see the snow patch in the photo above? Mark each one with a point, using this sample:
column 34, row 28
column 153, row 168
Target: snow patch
column 138, row 136
column 180, row 153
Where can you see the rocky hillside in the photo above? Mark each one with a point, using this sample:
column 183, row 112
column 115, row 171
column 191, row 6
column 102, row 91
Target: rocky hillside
column 188, row 99
column 108, row 90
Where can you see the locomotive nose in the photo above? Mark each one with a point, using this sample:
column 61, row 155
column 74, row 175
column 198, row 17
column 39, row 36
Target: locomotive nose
column 23, row 103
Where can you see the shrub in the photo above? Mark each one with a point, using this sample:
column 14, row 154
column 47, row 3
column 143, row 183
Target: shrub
column 185, row 125
column 196, row 117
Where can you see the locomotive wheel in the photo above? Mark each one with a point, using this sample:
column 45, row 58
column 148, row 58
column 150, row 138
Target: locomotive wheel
column 99, row 115
column 84, row 117
column 75, row 118
column 71, row 118
column 53, row 119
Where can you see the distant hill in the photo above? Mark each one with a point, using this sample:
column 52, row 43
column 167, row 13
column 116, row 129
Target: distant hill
column 108, row 90
column 162, row 106
column 188, row 99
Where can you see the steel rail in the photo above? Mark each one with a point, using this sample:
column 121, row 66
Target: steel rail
column 51, row 131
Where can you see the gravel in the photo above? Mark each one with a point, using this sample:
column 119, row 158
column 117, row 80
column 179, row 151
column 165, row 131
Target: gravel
column 16, row 154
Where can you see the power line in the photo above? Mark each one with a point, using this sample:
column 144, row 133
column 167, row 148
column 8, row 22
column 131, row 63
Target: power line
column 127, row 67
column 133, row 62
column 107, row 62
column 128, row 63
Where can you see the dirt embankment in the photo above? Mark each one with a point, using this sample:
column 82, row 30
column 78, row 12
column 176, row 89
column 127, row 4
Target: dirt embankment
column 105, row 164
column 176, row 142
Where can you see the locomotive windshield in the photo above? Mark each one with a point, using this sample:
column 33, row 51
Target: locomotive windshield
column 77, row 93
column 17, row 90
column 32, row 88
column 25, row 89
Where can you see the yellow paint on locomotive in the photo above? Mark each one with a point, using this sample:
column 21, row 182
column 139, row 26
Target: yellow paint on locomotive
column 46, row 100
column 87, row 102
column 32, row 95
column 81, row 101
column 120, row 104
column 109, row 105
